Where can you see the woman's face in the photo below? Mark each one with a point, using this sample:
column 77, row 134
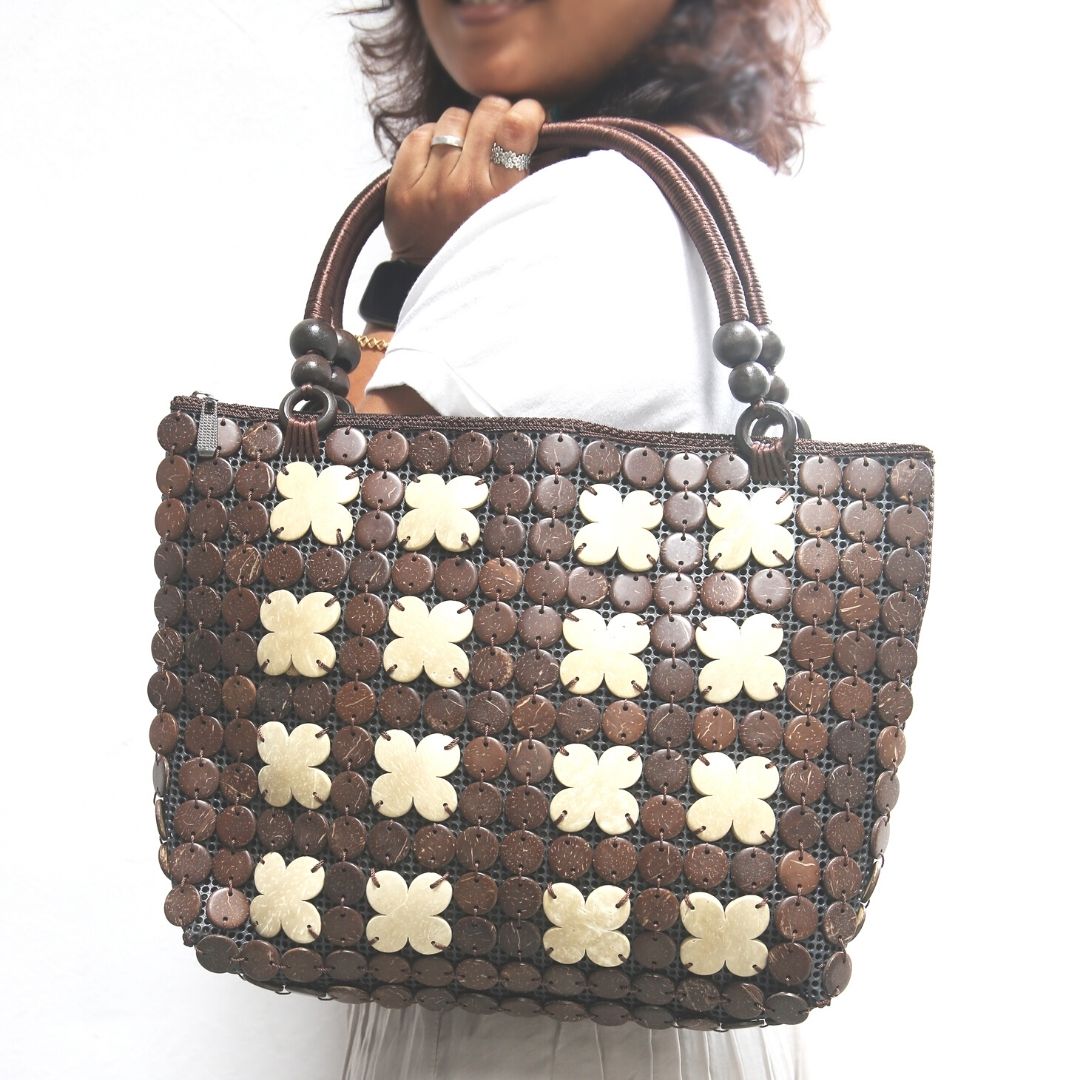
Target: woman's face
column 551, row 50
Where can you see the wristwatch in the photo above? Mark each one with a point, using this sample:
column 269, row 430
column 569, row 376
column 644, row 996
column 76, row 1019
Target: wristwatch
column 386, row 291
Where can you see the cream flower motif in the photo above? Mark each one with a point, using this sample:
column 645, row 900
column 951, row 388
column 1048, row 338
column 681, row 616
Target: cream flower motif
column 740, row 657
column 291, row 757
column 442, row 509
column 604, row 652
column 408, row 912
column 618, row 525
column 595, row 788
column 724, row 938
column 751, row 525
column 586, row 927
column 733, row 798
column 284, row 895
column 413, row 775
column 314, row 501
column 294, row 644
column 425, row 641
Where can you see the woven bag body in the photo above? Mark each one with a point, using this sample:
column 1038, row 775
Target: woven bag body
column 526, row 714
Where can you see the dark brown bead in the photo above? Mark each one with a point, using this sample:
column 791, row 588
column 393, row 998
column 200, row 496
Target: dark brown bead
column 843, row 878
column 663, row 816
column 480, row 803
column 656, row 909
column 722, row 593
column 344, row 883
column 803, row 779
column 813, row 602
column 227, row 908
column 177, row 432
column 817, row 559
column 533, row 716
column 434, row 846
column 670, row 725
column 345, row 446
column 743, row 1001
column 894, row 703
column 444, row 711
column 510, row 494
column 799, row 827
column 283, row 566
column 714, row 728
column 558, row 452
column 429, row 451
column 471, row 452
column 862, row 521
column 817, row 517
column 837, row 973
column 847, row 787
column 413, row 573
column 790, row 963
column 849, row 741
column 891, row 746
column 681, row 552
column 786, row 1008
column 522, row 852
column 555, row 496
column 375, row 529
column 488, row 712
column 190, row 864
column 795, row 918
column 578, row 719
column 659, row 863
column 526, row 807
column 911, row 480
column 706, row 866
column 614, row 859
column 685, row 470
column 666, row 770
column 728, row 470
column 653, row 950
column 844, row 832
column 343, row 926
column 623, row 722
column 400, row 706
column 864, row 477
column 752, row 870
column 676, row 593
column 569, row 857
column 475, row 893
column 348, row 835
column 806, row 736
column 387, row 843
column 274, row 829
column 388, row 449
column 905, row 569
column 478, row 848
column 819, row 475
column 182, row 905
column 587, row 587
column 861, row 564
column 456, row 578
column 886, row 791
column 672, row 635
column 483, row 758
column 212, row 477
column 643, row 467
column 536, row 670
column 760, row 732
column 858, row 608
column 901, row 613
column 811, row 647
column 546, row 583
column 852, row 697
column 540, row 626
column 807, row 692
column 770, row 590
column 684, row 512
column 799, row 872
column 841, row 923
column 530, row 761
column 601, row 460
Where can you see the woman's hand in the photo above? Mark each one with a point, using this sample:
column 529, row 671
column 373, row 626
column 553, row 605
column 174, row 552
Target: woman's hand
column 433, row 189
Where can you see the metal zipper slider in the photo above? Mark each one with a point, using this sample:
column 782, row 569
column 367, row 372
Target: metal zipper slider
column 206, row 442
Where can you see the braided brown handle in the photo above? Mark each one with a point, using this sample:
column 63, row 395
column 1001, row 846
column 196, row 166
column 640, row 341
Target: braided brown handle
column 327, row 296
column 705, row 214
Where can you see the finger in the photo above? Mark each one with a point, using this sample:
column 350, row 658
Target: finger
column 444, row 158
column 518, row 130
column 477, row 149
column 411, row 159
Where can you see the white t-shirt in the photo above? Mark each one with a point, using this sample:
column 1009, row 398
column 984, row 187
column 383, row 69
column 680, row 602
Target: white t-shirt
column 577, row 293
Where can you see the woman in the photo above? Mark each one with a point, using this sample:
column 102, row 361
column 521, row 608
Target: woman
column 563, row 292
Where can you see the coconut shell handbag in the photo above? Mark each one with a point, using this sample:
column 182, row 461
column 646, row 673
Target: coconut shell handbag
column 532, row 714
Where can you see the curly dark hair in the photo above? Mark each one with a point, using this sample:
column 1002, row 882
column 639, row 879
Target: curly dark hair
column 733, row 68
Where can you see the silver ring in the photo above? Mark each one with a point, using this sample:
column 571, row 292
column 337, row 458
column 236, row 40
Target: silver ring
column 448, row 140
column 510, row 159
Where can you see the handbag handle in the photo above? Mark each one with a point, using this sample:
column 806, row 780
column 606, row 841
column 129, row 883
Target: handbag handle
column 737, row 341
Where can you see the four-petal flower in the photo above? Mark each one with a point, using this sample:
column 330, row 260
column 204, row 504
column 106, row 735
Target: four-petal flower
column 284, row 892
column 618, row 525
column 583, row 927
column 733, row 798
column 291, row 757
column 724, row 938
column 595, row 788
column 313, row 500
column 604, row 652
column 294, row 644
column 414, row 775
column 442, row 509
column 740, row 657
column 425, row 641
column 408, row 912
column 751, row 525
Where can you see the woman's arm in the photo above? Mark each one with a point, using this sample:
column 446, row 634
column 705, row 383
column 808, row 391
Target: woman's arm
column 391, row 399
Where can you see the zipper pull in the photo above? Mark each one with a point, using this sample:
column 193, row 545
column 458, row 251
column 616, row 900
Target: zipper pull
column 206, row 442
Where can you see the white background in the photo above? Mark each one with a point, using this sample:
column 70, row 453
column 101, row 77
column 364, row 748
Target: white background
column 170, row 171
